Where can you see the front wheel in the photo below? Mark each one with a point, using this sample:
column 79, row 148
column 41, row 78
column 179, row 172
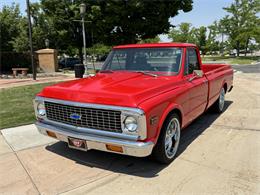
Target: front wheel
column 218, row 106
column 169, row 139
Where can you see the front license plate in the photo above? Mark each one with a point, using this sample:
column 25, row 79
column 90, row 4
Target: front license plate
column 76, row 143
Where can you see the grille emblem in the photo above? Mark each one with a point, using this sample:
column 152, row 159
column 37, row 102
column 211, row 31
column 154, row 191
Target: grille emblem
column 75, row 116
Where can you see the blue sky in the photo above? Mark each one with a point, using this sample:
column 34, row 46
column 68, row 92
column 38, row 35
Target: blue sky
column 21, row 2
column 204, row 12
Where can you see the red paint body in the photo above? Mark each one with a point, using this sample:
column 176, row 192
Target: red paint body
column 157, row 96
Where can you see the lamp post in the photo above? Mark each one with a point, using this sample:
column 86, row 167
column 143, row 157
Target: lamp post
column 47, row 43
column 82, row 13
column 30, row 39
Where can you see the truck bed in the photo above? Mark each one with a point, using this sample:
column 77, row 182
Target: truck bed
column 217, row 75
column 214, row 68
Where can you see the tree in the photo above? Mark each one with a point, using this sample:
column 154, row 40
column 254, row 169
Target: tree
column 109, row 22
column 20, row 42
column 14, row 28
column 242, row 23
column 112, row 22
column 151, row 40
column 201, row 38
column 139, row 19
column 212, row 43
column 98, row 49
column 61, row 28
column 184, row 33
column 10, row 18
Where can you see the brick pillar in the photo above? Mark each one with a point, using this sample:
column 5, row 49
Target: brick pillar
column 48, row 60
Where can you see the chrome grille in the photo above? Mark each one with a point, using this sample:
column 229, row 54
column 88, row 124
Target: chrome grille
column 107, row 120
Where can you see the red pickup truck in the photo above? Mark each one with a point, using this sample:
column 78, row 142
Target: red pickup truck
column 138, row 103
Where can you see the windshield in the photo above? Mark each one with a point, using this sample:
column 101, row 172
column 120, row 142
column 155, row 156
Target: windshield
column 159, row 61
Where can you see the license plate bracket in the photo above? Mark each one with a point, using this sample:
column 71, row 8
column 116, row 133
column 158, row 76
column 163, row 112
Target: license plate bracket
column 78, row 144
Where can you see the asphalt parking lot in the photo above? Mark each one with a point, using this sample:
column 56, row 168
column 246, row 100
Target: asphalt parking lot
column 219, row 154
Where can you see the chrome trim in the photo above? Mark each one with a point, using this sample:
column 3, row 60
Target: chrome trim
column 132, row 148
column 88, row 105
column 141, row 129
column 125, row 111
column 106, row 120
column 91, row 131
column 35, row 104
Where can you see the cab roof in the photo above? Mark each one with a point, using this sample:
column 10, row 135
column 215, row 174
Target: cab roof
column 154, row 45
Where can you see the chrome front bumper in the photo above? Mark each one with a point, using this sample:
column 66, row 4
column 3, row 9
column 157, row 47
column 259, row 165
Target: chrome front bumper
column 131, row 148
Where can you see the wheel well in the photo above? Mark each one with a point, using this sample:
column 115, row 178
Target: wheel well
column 225, row 87
column 175, row 110
column 178, row 112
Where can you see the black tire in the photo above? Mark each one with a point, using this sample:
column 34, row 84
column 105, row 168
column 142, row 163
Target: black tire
column 159, row 151
column 219, row 105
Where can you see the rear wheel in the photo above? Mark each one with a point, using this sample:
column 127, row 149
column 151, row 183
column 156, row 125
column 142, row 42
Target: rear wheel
column 168, row 142
column 218, row 106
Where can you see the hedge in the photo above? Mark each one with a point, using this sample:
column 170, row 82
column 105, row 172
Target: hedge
column 11, row 60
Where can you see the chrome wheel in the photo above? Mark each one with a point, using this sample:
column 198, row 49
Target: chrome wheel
column 222, row 99
column 172, row 138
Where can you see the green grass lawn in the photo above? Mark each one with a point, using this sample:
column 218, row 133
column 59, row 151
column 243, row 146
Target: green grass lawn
column 232, row 60
column 16, row 105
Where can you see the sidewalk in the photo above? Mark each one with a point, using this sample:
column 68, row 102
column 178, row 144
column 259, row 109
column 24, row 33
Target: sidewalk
column 15, row 82
column 31, row 163
column 14, row 175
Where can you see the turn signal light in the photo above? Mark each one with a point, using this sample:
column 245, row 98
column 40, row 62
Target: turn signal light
column 51, row 134
column 114, row 148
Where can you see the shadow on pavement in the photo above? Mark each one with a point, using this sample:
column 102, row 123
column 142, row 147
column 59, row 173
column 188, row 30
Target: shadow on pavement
column 142, row 167
column 197, row 127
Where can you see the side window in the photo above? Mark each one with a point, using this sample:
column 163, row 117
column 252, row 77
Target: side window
column 192, row 62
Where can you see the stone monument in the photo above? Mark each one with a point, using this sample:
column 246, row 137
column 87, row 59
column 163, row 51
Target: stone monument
column 48, row 60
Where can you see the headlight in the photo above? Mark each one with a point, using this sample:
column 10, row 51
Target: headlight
column 41, row 109
column 130, row 124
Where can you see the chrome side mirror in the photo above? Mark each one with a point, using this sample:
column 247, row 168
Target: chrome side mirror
column 196, row 74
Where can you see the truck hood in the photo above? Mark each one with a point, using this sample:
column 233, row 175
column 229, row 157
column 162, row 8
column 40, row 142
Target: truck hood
column 118, row 88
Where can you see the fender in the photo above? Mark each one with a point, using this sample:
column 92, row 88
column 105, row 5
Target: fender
column 223, row 84
column 166, row 112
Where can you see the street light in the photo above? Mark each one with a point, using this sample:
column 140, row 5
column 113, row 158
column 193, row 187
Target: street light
column 30, row 38
column 47, row 43
column 82, row 8
column 82, row 13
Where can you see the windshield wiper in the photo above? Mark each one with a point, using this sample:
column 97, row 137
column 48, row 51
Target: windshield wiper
column 118, row 62
column 147, row 73
column 106, row 71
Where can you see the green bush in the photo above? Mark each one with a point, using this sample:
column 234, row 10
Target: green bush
column 11, row 60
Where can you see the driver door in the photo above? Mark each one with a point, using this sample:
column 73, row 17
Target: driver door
column 197, row 86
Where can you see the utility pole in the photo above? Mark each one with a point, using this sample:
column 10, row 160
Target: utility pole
column 0, row 49
column 30, row 39
column 83, row 12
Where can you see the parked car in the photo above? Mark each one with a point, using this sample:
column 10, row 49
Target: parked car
column 101, row 58
column 68, row 62
column 137, row 104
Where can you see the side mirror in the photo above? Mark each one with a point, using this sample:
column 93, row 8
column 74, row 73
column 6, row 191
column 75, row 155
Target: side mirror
column 198, row 73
